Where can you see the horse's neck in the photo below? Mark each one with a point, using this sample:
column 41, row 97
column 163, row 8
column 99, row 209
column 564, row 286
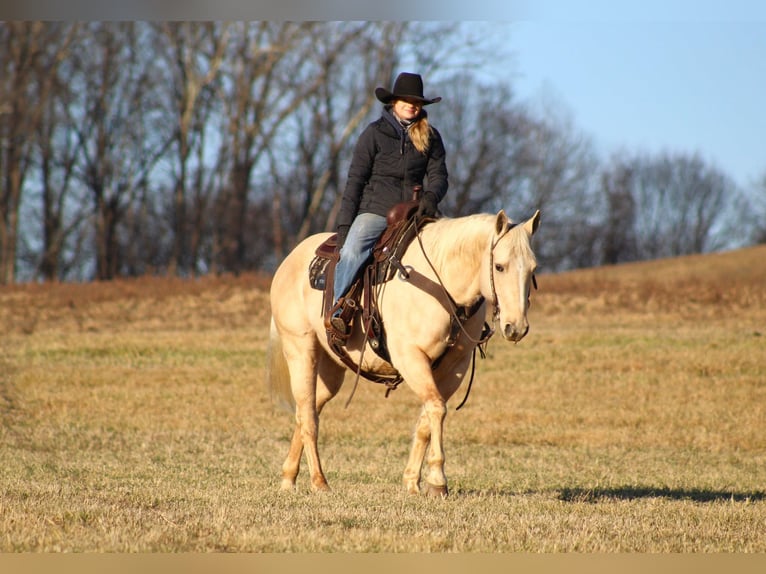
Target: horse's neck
column 458, row 261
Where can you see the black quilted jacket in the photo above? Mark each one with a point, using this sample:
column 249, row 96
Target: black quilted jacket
column 385, row 167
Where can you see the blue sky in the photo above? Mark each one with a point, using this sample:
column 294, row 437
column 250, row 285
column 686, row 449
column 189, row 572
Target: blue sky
column 677, row 76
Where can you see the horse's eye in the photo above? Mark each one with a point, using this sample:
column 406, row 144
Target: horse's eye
column 499, row 268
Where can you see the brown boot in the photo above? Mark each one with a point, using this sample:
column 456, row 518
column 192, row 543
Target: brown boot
column 341, row 314
column 339, row 327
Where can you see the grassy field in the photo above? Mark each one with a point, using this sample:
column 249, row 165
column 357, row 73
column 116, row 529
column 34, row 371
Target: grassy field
column 632, row 418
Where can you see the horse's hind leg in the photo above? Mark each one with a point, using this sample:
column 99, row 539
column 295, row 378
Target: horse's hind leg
column 301, row 355
column 292, row 463
column 328, row 380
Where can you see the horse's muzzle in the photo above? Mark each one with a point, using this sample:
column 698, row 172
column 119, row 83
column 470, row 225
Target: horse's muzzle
column 515, row 333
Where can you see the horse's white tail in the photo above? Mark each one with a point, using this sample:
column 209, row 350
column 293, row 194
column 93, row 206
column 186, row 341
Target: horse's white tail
column 278, row 375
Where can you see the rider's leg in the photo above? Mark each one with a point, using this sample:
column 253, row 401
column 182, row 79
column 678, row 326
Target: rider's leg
column 362, row 235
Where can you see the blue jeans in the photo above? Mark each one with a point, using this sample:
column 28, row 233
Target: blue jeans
column 362, row 235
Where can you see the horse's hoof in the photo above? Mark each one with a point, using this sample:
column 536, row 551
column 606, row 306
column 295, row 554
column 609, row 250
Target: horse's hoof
column 436, row 490
column 287, row 485
column 412, row 487
column 320, row 487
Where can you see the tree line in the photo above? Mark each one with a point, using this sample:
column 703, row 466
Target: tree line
column 187, row 148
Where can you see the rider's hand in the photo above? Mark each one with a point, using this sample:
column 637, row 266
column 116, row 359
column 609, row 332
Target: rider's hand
column 427, row 207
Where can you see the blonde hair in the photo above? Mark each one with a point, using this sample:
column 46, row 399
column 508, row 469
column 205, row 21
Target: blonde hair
column 420, row 134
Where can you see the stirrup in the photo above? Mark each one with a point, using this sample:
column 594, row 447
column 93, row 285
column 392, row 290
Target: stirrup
column 339, row 327
column 337, row 331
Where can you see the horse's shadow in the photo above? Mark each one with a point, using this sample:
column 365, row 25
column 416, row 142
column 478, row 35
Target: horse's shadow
column 598, row 494
column 604, row 494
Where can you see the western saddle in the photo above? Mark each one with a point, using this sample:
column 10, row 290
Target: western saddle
column 383, row 265
column 360, row 300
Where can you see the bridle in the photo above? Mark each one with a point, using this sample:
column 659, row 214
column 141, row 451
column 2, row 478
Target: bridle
column 459, row 314
column 493, row 290
column 495, row 302
column 488, row 332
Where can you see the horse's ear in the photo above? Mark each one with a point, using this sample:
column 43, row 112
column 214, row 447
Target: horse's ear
column 532, row 223
column 501, row 222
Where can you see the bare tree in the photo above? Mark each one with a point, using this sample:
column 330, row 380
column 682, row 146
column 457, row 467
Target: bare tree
column 756, row 212
column 128, row 148
column 56, row 157
column 679, row 203
column 273, row 69
column 486, row 136
column 618, row 237
column 299, row 154
column 22, row 56
column 193, row 53
column 666, row 205
column 360, row 57
column 117, row 122
column 257, row 93
column 502, row 155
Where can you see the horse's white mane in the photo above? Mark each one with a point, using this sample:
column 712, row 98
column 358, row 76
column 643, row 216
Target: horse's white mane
column 461, row 237
column 466, row 237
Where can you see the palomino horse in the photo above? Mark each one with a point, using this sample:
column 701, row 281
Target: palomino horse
column 482, row 261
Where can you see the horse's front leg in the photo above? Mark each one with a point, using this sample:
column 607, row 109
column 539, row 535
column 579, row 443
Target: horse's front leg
column 429, row 429
column 415, row 367
column 430, row 425
column 421, row 438
column 436, row 481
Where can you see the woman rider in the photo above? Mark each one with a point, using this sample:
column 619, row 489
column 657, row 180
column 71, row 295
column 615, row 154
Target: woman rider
column 398, row 151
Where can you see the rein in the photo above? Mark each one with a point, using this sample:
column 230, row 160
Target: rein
column 495, row 303
column 453, row 304
column 458, row 314
column 488, row 331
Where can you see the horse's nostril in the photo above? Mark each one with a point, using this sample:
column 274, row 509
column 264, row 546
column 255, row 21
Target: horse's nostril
column 512, row 333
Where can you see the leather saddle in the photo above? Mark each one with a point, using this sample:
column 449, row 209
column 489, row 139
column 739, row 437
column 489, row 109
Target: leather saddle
column 400, row 232
column 360, row 302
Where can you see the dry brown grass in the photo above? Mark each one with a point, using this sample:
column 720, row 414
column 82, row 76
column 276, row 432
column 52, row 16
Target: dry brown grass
column 632, row 418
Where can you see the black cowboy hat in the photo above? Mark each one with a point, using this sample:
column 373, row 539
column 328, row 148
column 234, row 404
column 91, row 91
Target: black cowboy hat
column 407, row 87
